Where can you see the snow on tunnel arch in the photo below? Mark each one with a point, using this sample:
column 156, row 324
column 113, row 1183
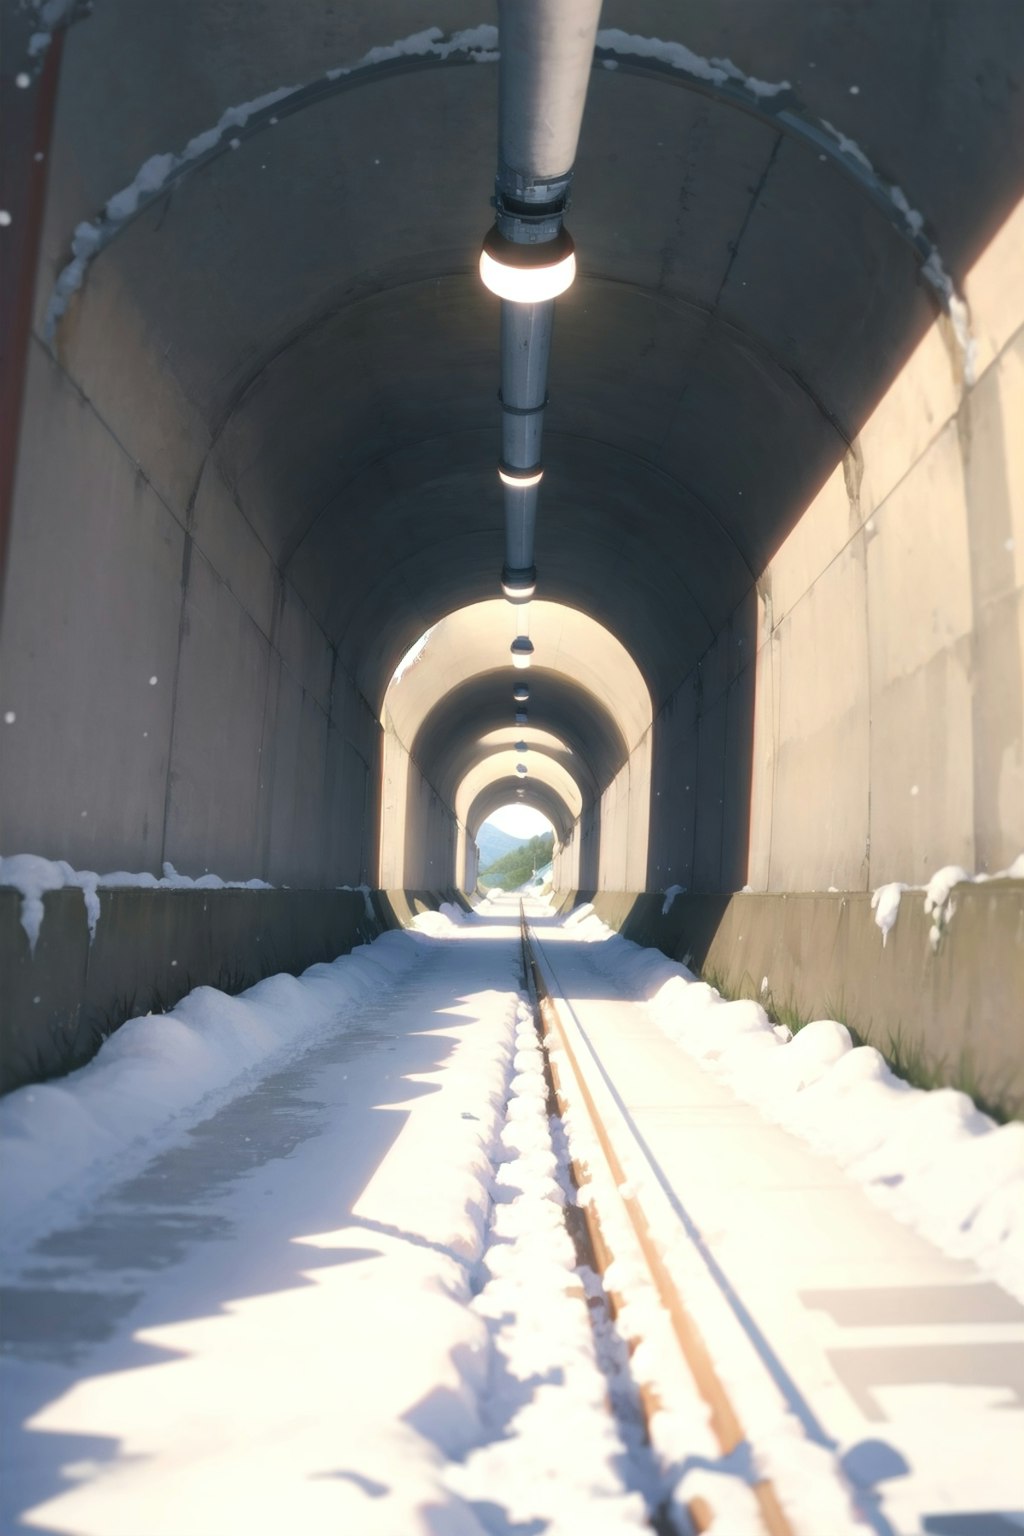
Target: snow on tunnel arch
column 450, row 755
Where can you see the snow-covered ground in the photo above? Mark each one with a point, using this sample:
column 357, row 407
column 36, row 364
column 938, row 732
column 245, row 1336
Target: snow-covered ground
column 930, row 1157
column 297, row 1260
column 878, row 1373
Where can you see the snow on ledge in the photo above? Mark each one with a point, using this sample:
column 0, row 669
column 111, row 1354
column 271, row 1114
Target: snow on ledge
column 34, row 876
column 938, row 896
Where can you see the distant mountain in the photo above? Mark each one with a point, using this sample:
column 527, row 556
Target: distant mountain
column 494, row 843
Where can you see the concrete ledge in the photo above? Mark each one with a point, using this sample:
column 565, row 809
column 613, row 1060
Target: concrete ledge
column 151, row 947
column 957, row 1011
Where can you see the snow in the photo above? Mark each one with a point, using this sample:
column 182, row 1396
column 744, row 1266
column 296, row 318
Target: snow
column 52, row 14
column 938, row 900
column 851, row 148
column 33, row 876
column 481, row 43
column 722, row 72
column 56, row 1138
column 749, row 1222
column 325, row 1236
column 909, row 1148
column 548, row 1383
column 364, row 891
column 442, row 924
column 885, row 903
column 354, row 1169
column 809, row 1480
column 412, row 656
column 716, row 71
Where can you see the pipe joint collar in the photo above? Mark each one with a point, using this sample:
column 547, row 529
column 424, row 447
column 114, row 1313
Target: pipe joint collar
column 517, row 191
column 522, row 410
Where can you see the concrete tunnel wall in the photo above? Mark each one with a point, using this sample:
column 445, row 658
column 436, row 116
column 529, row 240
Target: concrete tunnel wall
column 860, row 718
column 836, row 681
column 253, row 753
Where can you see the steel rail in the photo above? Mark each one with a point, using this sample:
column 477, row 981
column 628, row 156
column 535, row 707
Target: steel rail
column 724, row 1419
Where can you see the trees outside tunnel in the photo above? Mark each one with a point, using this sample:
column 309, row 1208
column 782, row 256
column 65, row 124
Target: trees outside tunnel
column 259, row 428
column 516, row 867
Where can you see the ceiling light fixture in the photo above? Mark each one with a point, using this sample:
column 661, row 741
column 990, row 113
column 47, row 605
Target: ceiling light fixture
column 522, row 651
column 527, row 274
column 519, row 586
column 521, row 692
column 520, row 479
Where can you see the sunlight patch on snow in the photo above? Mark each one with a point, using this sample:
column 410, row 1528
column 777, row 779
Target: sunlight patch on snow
column 927, row 1155
column 58, row 1138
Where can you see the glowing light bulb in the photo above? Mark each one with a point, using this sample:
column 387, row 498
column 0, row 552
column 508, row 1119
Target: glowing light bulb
column 527, row 274
column 522, row 651
column 520, row 479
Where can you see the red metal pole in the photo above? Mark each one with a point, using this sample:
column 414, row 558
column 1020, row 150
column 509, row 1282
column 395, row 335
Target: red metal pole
column 26, row 132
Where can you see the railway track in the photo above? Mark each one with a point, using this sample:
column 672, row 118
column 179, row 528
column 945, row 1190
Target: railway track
column 635, row 1238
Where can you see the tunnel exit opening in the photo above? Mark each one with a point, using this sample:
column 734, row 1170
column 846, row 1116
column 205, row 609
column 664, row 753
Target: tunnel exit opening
column 465, row 732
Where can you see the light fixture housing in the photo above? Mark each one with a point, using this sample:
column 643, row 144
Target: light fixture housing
column 527, row 273
column 520, row 717
column 521, row 746
column 520, row 479
column 522, row 651
column 521, row 768
column 521, row 692
column 519, row 586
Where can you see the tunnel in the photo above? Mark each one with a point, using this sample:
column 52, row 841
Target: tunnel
column 251, row 428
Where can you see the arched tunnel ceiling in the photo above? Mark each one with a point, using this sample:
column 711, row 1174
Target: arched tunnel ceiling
column 455, row 734
column 588, row 686
column 499, row 768
column 741, row 303
column 539, row 797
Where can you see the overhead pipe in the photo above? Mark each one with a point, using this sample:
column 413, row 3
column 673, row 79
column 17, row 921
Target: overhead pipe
column 547, row 49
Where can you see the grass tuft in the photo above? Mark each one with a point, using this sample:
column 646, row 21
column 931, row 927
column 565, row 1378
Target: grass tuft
column 907, row 1057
